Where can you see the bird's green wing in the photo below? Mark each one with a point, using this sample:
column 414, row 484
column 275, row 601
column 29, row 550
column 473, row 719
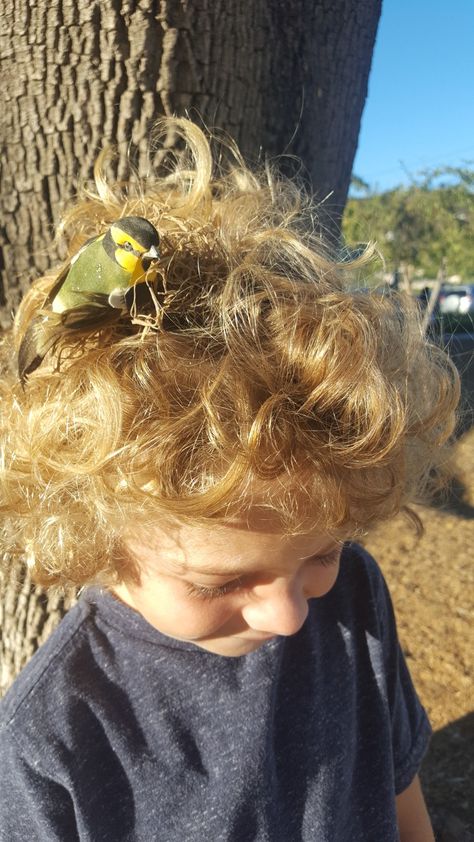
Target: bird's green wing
column 65, row 272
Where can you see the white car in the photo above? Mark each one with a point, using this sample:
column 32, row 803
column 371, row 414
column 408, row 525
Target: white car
column 456, row 298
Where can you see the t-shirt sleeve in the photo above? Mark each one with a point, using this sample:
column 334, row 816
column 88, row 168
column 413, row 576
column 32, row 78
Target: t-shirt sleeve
column 411, row 730
column 32, row 805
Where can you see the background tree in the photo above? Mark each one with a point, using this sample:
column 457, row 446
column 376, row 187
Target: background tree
column 279, row 77
column 423, row 225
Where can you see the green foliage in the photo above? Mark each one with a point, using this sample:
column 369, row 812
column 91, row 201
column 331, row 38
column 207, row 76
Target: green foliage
column 419, row 225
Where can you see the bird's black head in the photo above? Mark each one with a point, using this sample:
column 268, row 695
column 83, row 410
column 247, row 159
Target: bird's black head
column 132, row 239
column 141, row 230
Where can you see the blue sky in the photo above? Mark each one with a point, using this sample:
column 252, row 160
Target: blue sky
column 420, row 105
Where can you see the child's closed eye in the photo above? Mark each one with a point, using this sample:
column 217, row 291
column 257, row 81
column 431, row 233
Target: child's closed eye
column 328, row 558
column 212, row 591
column 215, row 591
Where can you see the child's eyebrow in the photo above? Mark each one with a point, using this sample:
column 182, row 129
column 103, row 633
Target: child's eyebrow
column 232, row 570
column 334, row 545
column 236, row 569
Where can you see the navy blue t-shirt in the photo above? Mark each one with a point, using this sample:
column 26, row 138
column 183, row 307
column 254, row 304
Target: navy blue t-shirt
column 115, row 732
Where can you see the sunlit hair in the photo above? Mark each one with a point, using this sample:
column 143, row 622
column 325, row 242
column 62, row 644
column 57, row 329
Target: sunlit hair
column 262, row 380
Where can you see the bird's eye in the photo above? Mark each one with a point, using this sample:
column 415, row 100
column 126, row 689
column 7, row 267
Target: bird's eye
column 127, row 246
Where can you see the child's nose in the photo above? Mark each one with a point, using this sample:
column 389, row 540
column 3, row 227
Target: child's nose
column 278, row 607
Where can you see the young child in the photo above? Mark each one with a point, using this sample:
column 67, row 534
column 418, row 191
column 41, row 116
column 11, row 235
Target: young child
column 204, row 420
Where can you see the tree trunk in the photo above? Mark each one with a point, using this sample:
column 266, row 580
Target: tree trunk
column 27, row 616
column 279, row 76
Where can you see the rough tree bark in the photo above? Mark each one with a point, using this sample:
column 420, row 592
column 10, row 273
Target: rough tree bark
column 279, row 76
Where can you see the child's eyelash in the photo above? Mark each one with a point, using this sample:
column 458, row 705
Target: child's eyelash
column 214, row 591
column 328, row 559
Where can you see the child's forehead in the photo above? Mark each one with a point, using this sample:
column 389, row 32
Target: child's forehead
column 231, row 547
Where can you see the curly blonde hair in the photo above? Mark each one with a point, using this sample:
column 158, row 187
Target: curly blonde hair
column 262, row 380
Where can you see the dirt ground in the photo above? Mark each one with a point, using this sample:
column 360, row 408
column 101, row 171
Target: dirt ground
column 431, row 580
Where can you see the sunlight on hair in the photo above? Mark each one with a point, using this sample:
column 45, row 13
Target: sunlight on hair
column 258, row 373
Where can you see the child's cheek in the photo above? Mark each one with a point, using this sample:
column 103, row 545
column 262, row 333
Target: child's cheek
column 200, row 618
column 323, row 580
column 175, row 612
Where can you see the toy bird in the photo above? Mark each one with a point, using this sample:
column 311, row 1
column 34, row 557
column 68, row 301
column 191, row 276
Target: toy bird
column 91, row 290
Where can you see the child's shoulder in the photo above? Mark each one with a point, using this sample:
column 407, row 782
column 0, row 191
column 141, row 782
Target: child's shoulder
column 360, row 597
column 358, row 566
column 40, row 677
